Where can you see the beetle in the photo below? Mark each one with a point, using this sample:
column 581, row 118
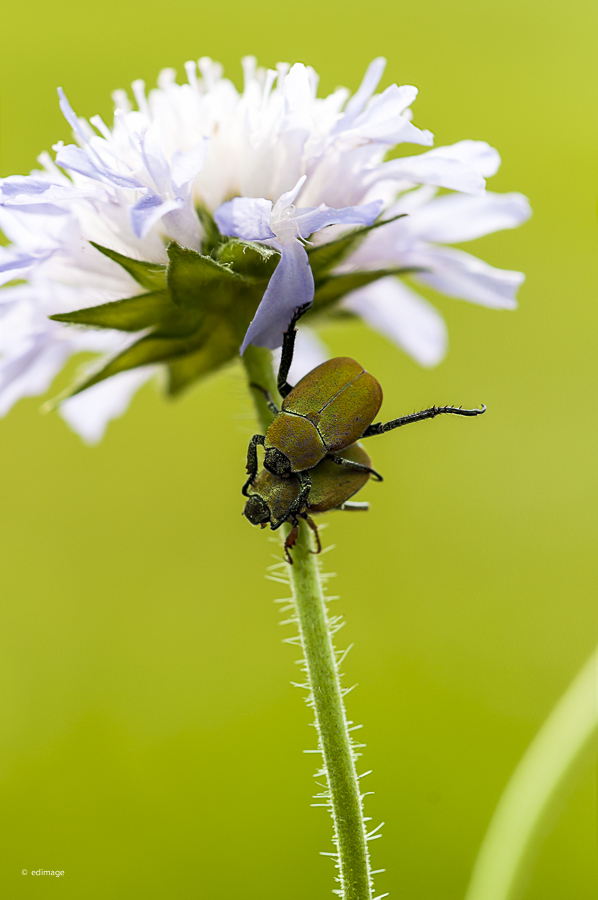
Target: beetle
column 329, row 409
column 271, row 498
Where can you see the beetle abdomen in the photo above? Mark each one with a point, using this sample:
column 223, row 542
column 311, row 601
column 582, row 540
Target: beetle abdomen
column 332, row 484
column 347, row 416
column 339, row 397
column 318, row 387
column 298, row 439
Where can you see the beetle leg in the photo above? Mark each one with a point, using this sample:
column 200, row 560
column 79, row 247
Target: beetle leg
column 301, row 499
column 314, row 528
column 357, row 467
column 353, row 506
column 267, row 397
column 286, row 355
column 252, row 460
column 290, row 542
column 382, row 427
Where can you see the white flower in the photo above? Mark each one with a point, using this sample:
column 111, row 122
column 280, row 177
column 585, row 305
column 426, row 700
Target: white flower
column 274, row 164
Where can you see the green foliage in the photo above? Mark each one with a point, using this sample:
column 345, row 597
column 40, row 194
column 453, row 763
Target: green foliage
column 149, row 275
column 212, row 237
column 332, row 289
column 130, row 314
column 325, row 257
column 253, row 260
column 197, row 308
column 195, row 323
column 199, row 282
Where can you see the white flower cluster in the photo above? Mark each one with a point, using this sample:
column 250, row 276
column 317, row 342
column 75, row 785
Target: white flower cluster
column 274, row 164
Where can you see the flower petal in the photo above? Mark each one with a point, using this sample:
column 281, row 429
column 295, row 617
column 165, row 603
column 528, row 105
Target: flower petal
column 245, row 217
column 309, row 221
column 14, row 265
column 30, row 371
column 186, row 166
column 23, row 191
column 291, row 286
column 457, row 217
column 90, row 412
column 371, row 79
column 431, row 168
column 149, row 210
column 478, row 154
column 384, row 121
column 77, row 160
column 462, row 275
column 402, row 316
column 69, row 114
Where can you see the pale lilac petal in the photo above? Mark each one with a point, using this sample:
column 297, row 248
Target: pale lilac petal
column 298, row 99
column 90, row 412
column 371, row 79
column 77, row 160
column 31, row 371
column 309, row 353
column 478, row 154
column 69, row 114
column 22, row 191
column 430, row 168
column 456, row 217
column 383, row 120
column 404, row 317
column 291, row 286
column 154, row 158
column 245, row 217
column 14, row 265
column 461, row 275
column 287, row 199
column 309, row 221
column 185, row 166
column 149, row 210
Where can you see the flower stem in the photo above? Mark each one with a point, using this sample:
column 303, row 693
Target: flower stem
column 343, row 795
column 567, row 739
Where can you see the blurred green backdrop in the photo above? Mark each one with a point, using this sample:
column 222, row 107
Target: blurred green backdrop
column 151, row 743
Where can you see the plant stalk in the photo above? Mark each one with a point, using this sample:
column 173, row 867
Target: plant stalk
column 566, row 742
column 343, row 795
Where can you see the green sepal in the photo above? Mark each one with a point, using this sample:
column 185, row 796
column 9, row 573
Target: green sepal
column 212, row 237
column 249, row 259
column 329, row 290
column 151, row 349
column 151, row 276
column 131, row 314
column 221, row 347
column 197, row 281
column 15, row 282
column 325, row 257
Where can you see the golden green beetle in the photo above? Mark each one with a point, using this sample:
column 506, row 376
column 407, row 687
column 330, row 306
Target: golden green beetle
column 328, row 410
column 272, row 498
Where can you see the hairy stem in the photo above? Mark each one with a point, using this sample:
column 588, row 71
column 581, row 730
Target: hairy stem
column 343, row 795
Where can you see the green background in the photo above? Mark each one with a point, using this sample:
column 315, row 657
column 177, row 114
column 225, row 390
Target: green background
column 151, row 743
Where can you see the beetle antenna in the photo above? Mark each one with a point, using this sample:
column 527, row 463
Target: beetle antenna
column 431, row 413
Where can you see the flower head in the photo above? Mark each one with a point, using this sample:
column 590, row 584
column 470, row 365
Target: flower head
column 198, row 222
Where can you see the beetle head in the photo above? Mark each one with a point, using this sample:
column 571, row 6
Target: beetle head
column 257, row 510
column 277, row 463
